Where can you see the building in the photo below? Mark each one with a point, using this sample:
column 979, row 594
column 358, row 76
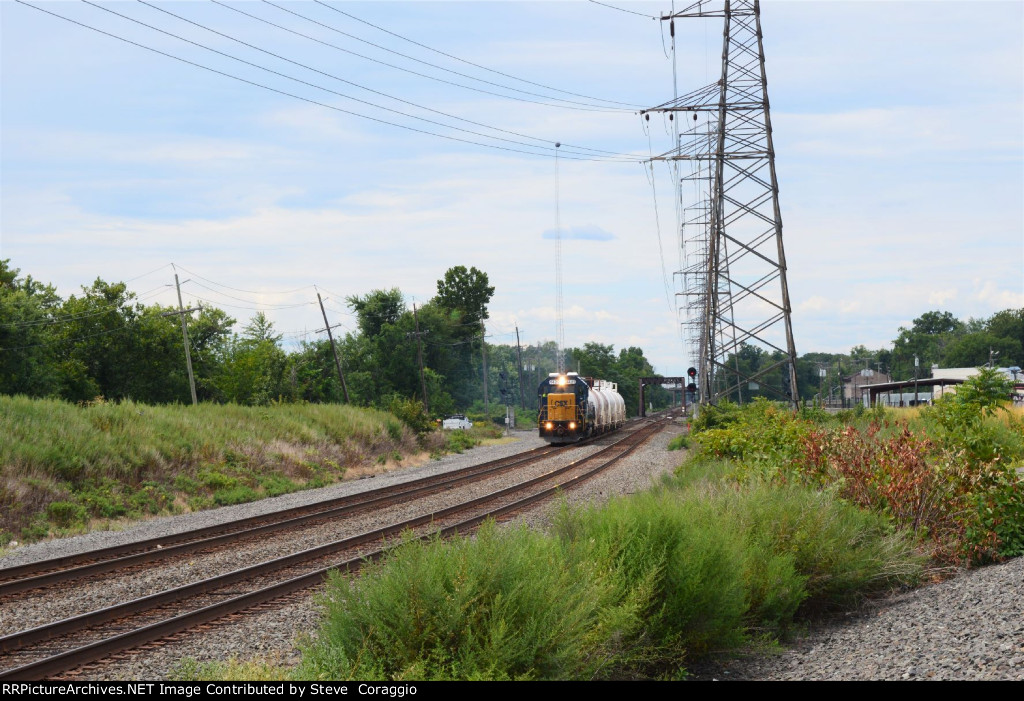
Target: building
column 852, row 384
column 1013, row 374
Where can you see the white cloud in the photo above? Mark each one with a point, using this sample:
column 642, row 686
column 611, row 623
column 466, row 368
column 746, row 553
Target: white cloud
column 940, row 297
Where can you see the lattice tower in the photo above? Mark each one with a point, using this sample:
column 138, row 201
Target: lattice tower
column 733, row 262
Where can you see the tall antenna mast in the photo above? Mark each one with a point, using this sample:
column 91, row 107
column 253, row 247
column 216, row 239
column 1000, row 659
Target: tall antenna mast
column 559, row 320
column 735, row 281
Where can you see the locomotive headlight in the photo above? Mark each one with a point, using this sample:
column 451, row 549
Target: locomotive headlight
column 549, row 425
column 561, row 381
column 572, row 425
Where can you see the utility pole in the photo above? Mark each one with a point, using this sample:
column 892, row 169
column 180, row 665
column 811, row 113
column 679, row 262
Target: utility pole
column 483, row 348
column 419, row 358
column 916, row 366
column 184, row 334
column 330, row 336
column 519, row 353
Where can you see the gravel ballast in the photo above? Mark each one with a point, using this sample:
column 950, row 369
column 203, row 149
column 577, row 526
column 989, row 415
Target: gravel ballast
column 967, row 627
column 970, row 627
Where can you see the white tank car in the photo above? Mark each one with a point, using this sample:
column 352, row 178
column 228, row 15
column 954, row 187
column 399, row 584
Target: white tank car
column 608, row 406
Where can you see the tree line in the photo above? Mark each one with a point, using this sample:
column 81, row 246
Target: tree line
column 106, row 343
column 934, row 338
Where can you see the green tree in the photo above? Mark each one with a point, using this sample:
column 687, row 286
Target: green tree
column 973, row 350
column 1009, row 324
column 465, row 291
column 94, row 343
column 988, row 390
column 377, row 309
column 254, row 371
column 927, row 339
column 27, row 312
column 210, row 336
column 464, row 295
column 593, row 360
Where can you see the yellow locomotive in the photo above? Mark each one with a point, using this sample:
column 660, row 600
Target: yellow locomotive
column 574, row 407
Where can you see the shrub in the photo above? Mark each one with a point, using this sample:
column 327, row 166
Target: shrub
column 762, row 437
column 64, row 514
column 150, row 498
column 504, row 605
column 635, row 587
column 275, row 485
column 412, row 414
column 954, row 492
column 234, row 495
column 715, row 416
column 679, row 560
column 989, row 390
column 457, row 441
column 680, row 442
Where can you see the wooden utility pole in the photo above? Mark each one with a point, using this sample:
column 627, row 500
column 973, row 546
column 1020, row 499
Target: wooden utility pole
column 483, row 348
column 519, row 353
column 419, row 358
column 330, row 336
column 184, row 335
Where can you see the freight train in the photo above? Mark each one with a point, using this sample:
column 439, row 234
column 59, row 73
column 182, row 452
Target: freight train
column 574, row 407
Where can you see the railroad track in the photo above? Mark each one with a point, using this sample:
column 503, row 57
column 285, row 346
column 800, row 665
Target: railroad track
column 64, row 645
column 47, row 573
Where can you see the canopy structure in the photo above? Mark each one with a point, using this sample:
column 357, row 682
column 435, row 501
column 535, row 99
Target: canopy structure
column 872, row 391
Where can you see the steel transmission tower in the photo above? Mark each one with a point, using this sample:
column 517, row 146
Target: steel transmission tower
column 733, row 261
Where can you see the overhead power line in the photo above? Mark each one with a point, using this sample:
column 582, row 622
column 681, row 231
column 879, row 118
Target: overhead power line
column 250, row 301
column 255, row 309
column 349, row 82
column 470, row 63
column 236, row 289
column 622, row 9
column 311, row 101
column 570, row 104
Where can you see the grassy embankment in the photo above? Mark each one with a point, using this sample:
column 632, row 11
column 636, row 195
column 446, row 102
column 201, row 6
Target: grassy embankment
column 773, row 517
column 67, row 468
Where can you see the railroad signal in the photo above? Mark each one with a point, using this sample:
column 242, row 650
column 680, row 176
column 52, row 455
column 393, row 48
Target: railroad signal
column 692, row 372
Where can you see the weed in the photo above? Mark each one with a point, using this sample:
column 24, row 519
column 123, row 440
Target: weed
column 680, row 442
column 64, row 514
column 98, row 453
column 275, row 485
column 457, row 441
column 503, row 605
column 234, row 495
column 186, row 485
column 36, row 530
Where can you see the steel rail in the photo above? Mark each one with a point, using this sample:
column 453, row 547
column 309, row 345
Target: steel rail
column 91, row 652
column 47, row 572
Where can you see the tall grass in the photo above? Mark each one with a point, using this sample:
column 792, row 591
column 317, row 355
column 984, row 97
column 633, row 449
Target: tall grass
column 503, row 605
column 634, row 588
column 721, row 561
column 129, row 458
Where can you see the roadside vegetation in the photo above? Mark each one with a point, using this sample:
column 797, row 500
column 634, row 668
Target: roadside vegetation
column 950, row 474
column 633, row 589
column 68, row 467
column 773, row 517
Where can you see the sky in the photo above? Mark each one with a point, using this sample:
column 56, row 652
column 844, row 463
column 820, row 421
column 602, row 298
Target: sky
column 898, row 128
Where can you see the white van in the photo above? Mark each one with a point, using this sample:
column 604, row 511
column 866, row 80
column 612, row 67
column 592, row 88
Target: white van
column 456, row 421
